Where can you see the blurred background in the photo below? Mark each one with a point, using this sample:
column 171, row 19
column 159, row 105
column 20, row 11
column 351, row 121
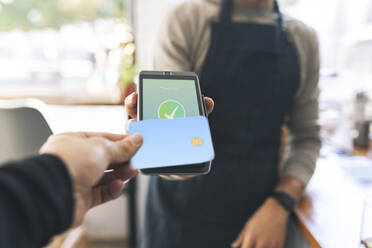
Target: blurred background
column 84, row 50
column 64, row 50
column 80, row 56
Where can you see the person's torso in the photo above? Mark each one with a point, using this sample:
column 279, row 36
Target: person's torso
column 253, row 87
column 201, row 14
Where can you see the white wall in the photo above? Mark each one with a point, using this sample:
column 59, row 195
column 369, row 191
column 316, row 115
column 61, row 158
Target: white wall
column 148, row 17
column 339, row 24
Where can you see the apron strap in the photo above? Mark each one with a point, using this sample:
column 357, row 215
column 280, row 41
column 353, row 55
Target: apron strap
column 281, row 20
column 227, row 8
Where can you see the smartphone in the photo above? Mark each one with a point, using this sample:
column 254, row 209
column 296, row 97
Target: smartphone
column 169, row 95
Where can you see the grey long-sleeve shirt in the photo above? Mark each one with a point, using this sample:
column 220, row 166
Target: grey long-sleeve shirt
column 183, row 43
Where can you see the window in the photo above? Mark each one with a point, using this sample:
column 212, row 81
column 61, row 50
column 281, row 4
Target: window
column 62, row 48
column 344, row 29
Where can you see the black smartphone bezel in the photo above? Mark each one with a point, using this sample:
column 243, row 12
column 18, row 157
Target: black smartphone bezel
column 193, row 169
column 169, row 76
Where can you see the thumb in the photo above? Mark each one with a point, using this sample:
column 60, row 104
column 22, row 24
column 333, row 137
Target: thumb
column 122, row 151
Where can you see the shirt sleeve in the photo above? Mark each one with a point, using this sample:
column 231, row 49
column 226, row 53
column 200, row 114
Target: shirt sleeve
column 36, row 201
column 173, row 47
column 302, row 123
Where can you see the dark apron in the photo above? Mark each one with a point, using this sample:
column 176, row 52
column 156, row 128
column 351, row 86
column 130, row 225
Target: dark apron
column 252, row 73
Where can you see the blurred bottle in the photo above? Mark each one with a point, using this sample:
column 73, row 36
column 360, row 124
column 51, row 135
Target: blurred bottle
column 360, row 122
column 366, row 226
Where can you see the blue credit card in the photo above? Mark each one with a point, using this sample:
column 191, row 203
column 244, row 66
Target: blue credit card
column 173, row 142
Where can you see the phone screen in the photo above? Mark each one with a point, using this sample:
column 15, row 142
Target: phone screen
column 169, row 98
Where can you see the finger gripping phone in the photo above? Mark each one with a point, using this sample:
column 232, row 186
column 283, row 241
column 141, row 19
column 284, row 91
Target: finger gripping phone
column 171, row 95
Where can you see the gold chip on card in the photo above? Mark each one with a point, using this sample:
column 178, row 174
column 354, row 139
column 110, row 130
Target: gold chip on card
column 197, row 141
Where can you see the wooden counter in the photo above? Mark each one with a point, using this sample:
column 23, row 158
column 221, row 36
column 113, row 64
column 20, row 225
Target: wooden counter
column 330, row 213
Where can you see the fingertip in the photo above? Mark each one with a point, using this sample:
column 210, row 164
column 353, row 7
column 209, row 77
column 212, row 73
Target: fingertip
column 235, row 244
column 133, row 97
column 125, row 172
column 208, row 99
column 131, row 168
column 116, row 188
column 128, row 99
column 117, row 183
column 209, row 102
column 136, row 139
column 135, row 171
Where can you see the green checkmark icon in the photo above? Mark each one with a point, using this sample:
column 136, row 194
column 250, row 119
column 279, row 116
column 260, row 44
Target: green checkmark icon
column 171, row 109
